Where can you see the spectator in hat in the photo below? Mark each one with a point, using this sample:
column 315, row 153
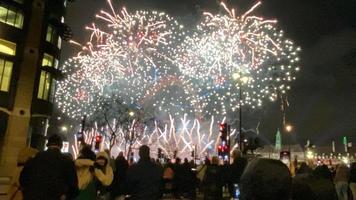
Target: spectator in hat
column 50, row 175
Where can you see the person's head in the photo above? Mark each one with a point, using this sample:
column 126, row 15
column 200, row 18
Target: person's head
column 102, row 158
column 265, row 179
column 236, row 154
column 144, row 152
column 55, row 141
column 87, row 153
column 322, row 171
column 215, row 160
column 121, row 154
column 186, row 160
column 178, row 160
column 25, row 154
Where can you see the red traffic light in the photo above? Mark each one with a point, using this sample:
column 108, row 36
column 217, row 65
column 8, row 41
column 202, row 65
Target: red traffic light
column 98, row 138
column 223, row 127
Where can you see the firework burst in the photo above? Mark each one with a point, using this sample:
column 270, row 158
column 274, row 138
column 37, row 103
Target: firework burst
column 129, row 57
column 229, row 53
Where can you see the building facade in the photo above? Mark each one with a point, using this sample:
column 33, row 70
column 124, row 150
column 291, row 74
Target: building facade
column 31, row 33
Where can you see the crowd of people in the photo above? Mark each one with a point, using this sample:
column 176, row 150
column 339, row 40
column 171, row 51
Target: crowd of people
column 51, row 175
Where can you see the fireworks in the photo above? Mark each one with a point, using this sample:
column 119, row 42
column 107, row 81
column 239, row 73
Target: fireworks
column 128, row 58
column 228, row 53
column 178, row 137
column 146, row 58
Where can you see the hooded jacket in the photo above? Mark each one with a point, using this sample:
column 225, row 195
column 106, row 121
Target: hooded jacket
column 105, row 176
column 84, row 173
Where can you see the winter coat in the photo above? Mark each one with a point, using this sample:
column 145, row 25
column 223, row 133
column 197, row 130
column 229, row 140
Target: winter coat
column 25, row 154
column 145, row 180
column 118, row 186
column 104, row 176
column 235, row 172
column 213, row 182
column 49, row 176
column 84, row 174
column 342, row 174
column 85, row 179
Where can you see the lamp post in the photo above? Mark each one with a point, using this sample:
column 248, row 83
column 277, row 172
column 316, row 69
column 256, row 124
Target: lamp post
column 242, row 80
column 242, row 136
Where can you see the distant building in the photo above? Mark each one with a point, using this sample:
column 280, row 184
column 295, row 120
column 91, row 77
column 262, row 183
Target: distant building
column 31, row 33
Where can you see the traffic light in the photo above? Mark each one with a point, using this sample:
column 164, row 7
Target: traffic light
column 224, row 147
column 223, row 131
column 98, row 140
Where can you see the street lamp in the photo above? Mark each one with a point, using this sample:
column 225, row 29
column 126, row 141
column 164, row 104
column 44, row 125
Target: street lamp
column 242, row 80
column 289, row 128
column 131, row 113
column 64, row 128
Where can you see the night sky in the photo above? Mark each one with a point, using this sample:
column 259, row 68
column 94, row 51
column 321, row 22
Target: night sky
column 322, row 99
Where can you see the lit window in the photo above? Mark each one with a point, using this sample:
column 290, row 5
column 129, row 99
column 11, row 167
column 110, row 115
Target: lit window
column 59, row 44
column 44, row 85
column 47, row 60
column 53, row 90
column 49, row 35
column 52, row 36
column 56, row 63
column 11, row 17
column 7, row 47
column 5, row 74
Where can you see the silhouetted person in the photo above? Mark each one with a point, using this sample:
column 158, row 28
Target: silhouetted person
column 353, row 180
column 266, row 179
column 323, row 171
column 321, row 184
column 213, row 181
column 119, row 184
column 178, row 180
column 84, row 165
column 235, row 170
column 144, row 177
column 104, row 175
column 342, row 182
column 49, row 175
column 189, row 180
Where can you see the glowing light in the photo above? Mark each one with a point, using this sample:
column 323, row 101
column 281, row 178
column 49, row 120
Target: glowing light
column 131, row 113
column 64, row 128
column 289, row 128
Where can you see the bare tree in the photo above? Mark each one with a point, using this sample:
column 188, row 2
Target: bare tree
column 120, row 119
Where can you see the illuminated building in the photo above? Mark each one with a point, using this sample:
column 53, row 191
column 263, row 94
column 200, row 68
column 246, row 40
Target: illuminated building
column 31, row 33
